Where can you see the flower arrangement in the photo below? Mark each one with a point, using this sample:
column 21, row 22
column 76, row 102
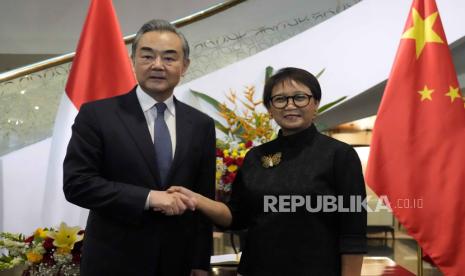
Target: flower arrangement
column 245, row 126
column 229, row 159
column 46, row 252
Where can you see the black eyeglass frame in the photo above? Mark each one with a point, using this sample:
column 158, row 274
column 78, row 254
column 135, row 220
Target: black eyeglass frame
column 309, row 97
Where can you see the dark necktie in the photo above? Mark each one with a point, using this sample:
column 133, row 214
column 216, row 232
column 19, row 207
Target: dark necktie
column 162, row 142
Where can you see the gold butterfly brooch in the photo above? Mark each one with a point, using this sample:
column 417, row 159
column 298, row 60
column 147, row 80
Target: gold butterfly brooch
column 271, row 160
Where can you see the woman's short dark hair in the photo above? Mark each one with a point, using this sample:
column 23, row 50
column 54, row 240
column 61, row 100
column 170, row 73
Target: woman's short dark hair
column 290, row 73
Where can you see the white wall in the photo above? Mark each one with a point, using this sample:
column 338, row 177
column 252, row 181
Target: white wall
column 22, row 185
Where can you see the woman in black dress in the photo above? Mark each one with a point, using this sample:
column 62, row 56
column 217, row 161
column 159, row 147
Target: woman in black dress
column 279, row 193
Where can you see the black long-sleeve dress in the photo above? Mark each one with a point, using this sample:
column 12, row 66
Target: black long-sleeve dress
column 301, row 242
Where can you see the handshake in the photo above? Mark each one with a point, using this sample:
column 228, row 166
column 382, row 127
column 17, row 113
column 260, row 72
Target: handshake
column 174, row 201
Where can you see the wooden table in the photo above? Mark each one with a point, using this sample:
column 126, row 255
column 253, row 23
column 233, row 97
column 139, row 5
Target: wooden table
column 372, row 266
column 383, row 266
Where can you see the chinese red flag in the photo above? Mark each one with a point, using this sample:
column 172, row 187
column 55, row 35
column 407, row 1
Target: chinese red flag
column 100, row 69
column 417, row 156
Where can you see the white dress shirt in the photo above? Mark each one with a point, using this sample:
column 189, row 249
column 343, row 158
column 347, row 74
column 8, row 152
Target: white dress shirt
column 147, row 104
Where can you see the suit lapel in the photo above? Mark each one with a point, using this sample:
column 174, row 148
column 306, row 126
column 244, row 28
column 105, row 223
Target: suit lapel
column 183, row 135
column 133, row 118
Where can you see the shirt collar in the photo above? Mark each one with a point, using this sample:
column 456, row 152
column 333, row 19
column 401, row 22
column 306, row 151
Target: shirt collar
column 304, row 136
column 146, row 102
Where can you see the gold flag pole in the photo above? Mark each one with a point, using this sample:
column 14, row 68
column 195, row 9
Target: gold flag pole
column 419, row 261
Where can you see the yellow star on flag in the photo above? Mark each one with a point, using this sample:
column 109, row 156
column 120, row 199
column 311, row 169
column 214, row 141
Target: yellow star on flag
column 453, row 93
column 422, row 31
column 426, row 93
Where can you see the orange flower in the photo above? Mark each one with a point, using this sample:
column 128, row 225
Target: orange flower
column 34, row 257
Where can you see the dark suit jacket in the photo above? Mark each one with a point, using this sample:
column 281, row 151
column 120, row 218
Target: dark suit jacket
column 109, row 168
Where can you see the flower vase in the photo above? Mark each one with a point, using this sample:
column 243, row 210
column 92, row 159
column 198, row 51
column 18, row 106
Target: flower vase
column 15, row 271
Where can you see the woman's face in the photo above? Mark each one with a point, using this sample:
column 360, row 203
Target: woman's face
column 291, row 118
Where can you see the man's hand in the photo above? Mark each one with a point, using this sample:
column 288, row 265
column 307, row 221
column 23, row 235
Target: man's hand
column 199, row 272
column 188, row 193
column 170, row 204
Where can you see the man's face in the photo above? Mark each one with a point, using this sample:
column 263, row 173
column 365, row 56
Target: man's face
column 159, row 63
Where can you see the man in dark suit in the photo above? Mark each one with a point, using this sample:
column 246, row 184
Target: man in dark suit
column 126, row 151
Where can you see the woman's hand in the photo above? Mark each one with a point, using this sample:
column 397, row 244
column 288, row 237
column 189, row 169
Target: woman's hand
column 192, row 196
column 218, row 212
column 170, row 203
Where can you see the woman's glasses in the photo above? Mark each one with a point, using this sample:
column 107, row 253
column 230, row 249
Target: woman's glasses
column 299, row 100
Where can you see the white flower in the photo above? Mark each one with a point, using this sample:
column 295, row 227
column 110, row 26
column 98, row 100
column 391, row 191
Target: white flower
column 16, row 261
column 62, row 258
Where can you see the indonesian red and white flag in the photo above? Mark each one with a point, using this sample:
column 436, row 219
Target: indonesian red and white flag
column 417, row 154
column 101, row 69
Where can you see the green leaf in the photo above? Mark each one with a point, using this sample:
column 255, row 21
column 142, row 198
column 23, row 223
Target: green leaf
column 207, row 99
column 221, row 144
column 268, row 72
column 320, row 127
column 320, row 73
column 221, row 127
column 331, row 104
column 274, row 136
column 216, row 104
column 238, row 132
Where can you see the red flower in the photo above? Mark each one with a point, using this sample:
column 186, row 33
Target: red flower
column 239, row 161
column 228, row 161
column 232, row 176
column 77, row 258
column 48, row 244
column 219, row 153
column 248, row 144
column 30, row 239
column 229, row 177
column 225, row 179
column 48, row 259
